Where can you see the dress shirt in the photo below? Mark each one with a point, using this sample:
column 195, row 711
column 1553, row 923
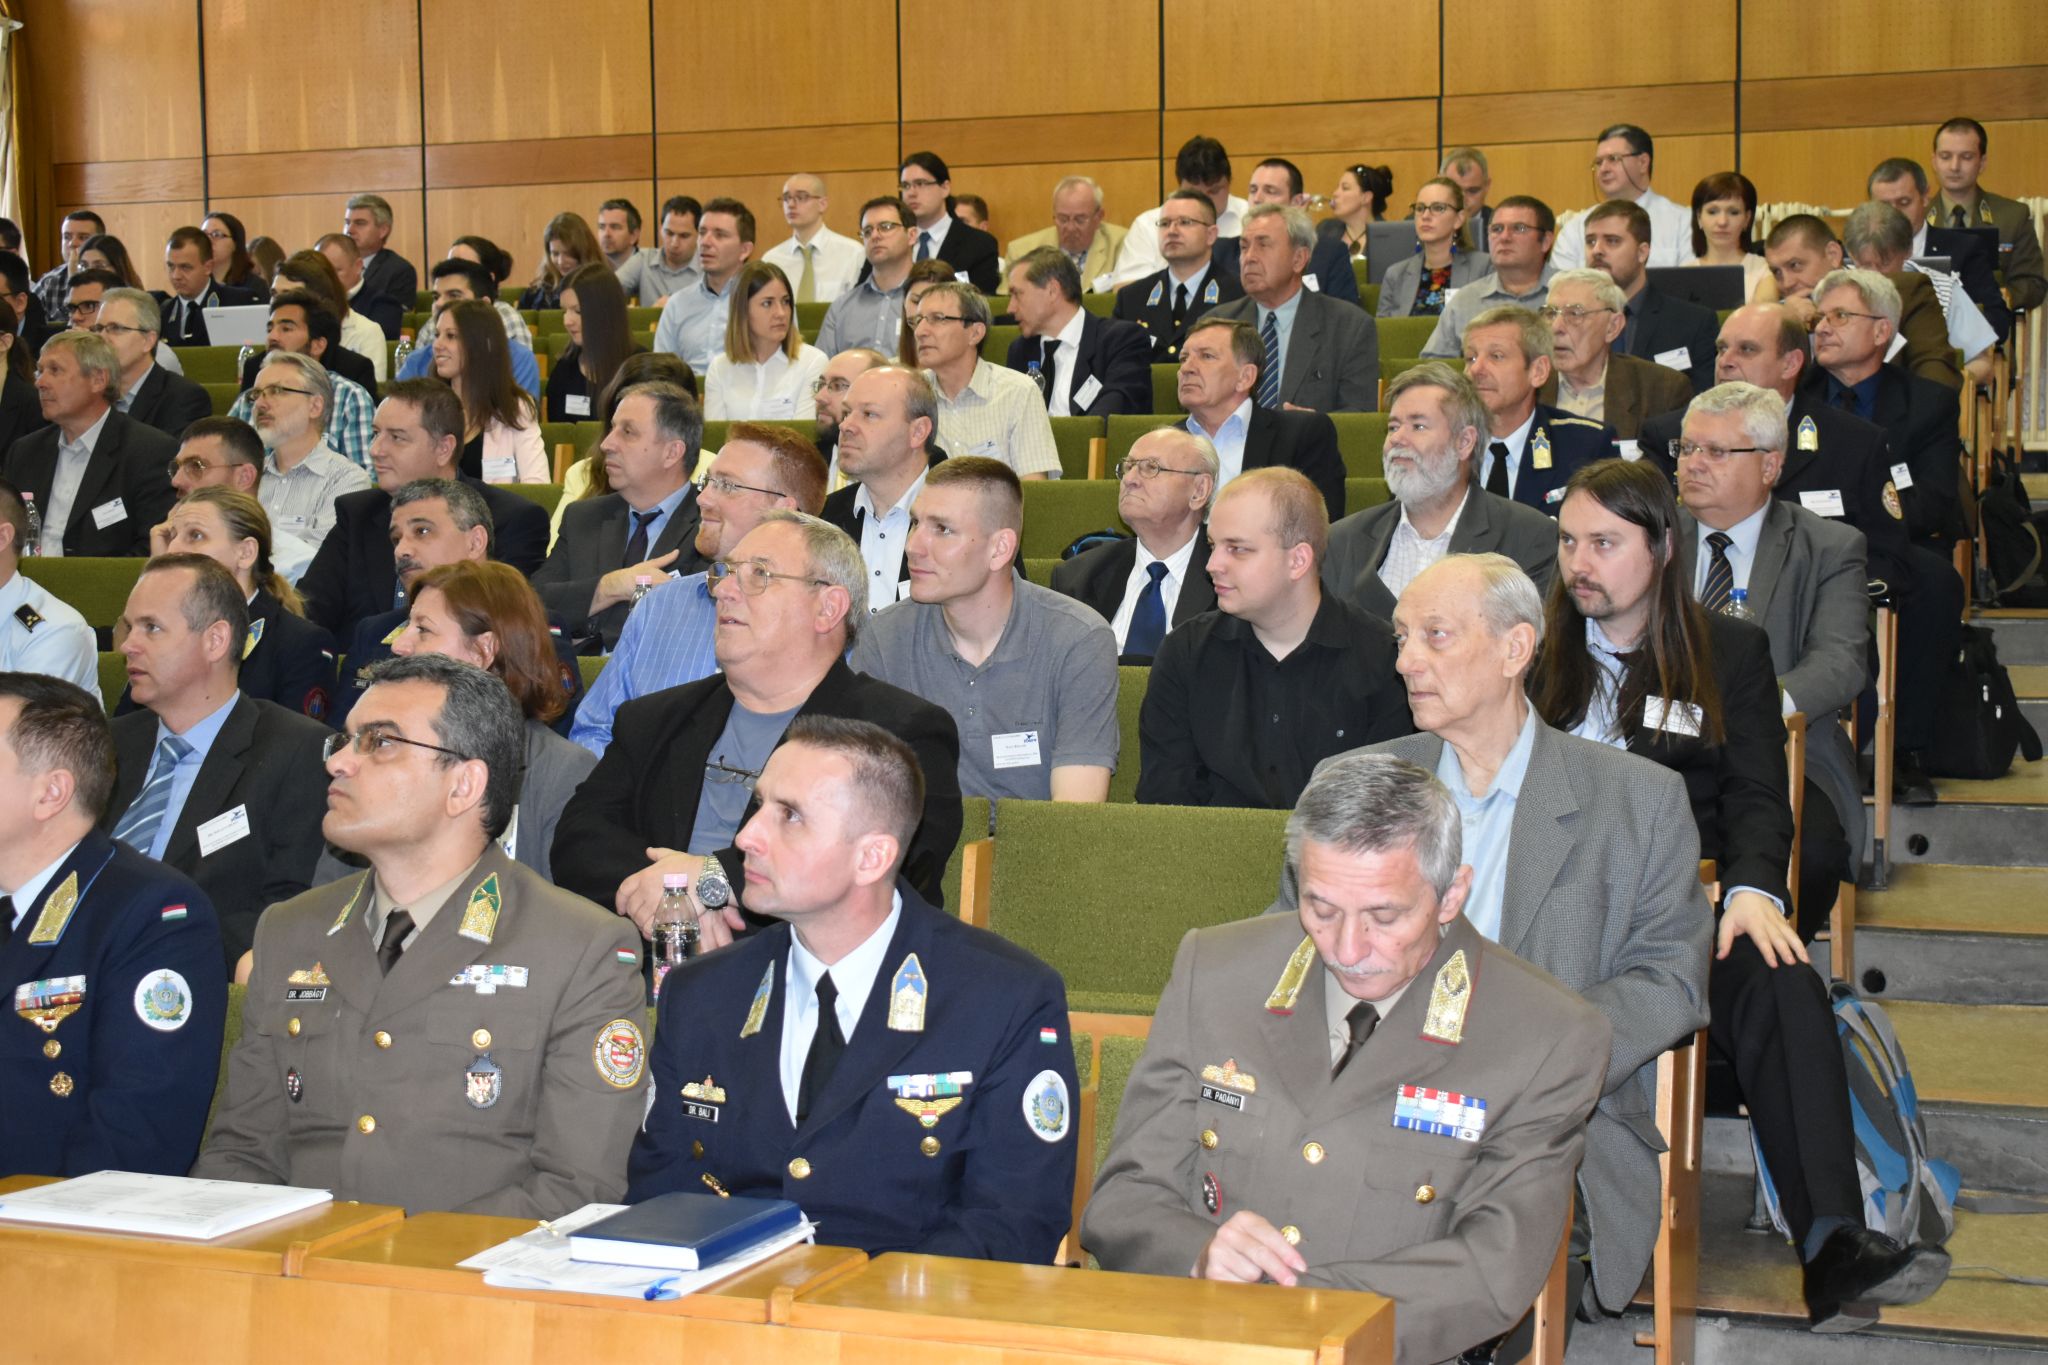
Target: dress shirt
column 1169, row 587
column 936, row 233
column 72, row 458
column 1489, row 823
column 1463, row 305
column 835, row 262
column 301, row 499
column 662, row 510
column 1862, row 396
column 1741, row 553
column 61, row 644
column 666, row 643
column 778, row 389
column 1408, row 554
column 1670, row 234
column 1229, row 441
column 648, row 277
column 422, row 910
column 25, row 895
column 367, row 340
column 693, row 323
column 1140, row 254
column 128, row 397
column 1517, row 442
column 882, row 537
column 349, row 424
column 1337, row 1005
column 999, row 413
column 1060, row 403
column 865, row 315
column 1590, row 402
column 200, row 737
column 853, row 976
column 1283, row 324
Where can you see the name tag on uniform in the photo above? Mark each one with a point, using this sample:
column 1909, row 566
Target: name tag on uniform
column 1824, row 502
column 304, row 995
column 1677, row 358
column 1676, row 718
column 222, row 830
column 1018, row 749
column 1086, row 394
column 109, row 514
column 1229, row 1099
column 697, row 1109
column 1902, row 476
column 577, row 405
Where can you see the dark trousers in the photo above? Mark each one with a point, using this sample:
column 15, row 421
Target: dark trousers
column 1823, row 860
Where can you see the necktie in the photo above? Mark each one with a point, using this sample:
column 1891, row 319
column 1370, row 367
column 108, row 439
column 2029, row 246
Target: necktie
column 924, row 246
column 1269, row 375
column 1148, row 618
column 393, row 943
column 6, row 919
column 636, row 544
column 138, row 827
column 1497, row 475
column 1955, row 216
column 1720, row 573
column 807, row 282
column 1045, row 381
column 826, row 1046
column 1180, row 305
column 1363, row 1017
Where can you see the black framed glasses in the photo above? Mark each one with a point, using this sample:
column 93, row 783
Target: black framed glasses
column 1839, row 316
column 100, row 329
column 264, row 391
column 372, row 743
column 922, row 318
column 728, row 487
column 1685, row 450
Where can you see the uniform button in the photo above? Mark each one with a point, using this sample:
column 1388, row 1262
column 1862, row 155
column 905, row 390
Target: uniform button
column 1425, row 1194
column 60, row 1085
column 53, row 1049
column 1209, row 1138
column 367, row 1124
column 381, row 1038
column 1312, row 1153
column 800, row 1169
column 292, row 1027
column 482, row 1039
column 930, row 1146
column 1292, row 1234
column 697, row 1149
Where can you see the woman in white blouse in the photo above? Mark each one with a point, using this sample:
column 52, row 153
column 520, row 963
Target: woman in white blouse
column 767, row 373
column 501, row 439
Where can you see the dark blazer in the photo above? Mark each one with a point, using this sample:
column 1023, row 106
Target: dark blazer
column 21, row 411
column 842, row 512
column 138, row 1091
column 1573, row 441
column 1972, row 264
column 1333, row 354
column 336, row 359
column 1099, row 576
column 265, row 762
column 1328, row 261
column 169, row 402
column 131, row 461
column 390, row 289
column 1001, row 1190
column 1665, row 324
column 1300, row 440
column 592, row 544
column 1489, row 524
column 1636, row 391
column 970, row 251
column 645, row 789
column 352, row 577
column 1149, row 303
column 194, row 331
column 1920, row 419
column 289, row 660
column 1118, row 355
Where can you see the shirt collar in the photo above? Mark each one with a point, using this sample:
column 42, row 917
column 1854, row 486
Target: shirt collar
column 1242, row 417
column 318, row 462
column 1176, row 563
column 1337, row 1002
column 26, row 894
column 1070, row 335
column 1507, row 778
column 201, row 734
column 864, row 502
column 134, row 388
column 422, row 910
column 90, row 439
column 1865, row 389
column 1283, row 316
column 1517, row 440
column 1450, row 527
column 668, row 505
column 1744, row 533
column 852, row 975
column 1565, row 385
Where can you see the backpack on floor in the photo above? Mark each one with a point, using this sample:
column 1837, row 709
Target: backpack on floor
column 1983, row 726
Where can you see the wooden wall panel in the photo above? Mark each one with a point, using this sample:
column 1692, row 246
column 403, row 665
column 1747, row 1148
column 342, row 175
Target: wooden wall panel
column 1217, row 50
column 1577, row 44
column 296, row 221
column 807, row 64
column 1831, row 165
column 1020, row 195
column 1029, row 54
column 525, row 69
column 282, row 76
column 1797, row 38
column 1927, row 98
column 858, row 162
column 514, row 216
column 1558, row 174
column 847, row 191
column 121, row 77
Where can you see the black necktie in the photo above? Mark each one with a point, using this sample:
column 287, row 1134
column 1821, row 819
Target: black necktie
column 1363, row 1017
column 636, row 544
column 1955, row 216
column 826, row 1046
column 1180, row 305
column 393, row 942
column 1720, row 581
column 1497, row 476
column 1045, row 354
column 6, row 919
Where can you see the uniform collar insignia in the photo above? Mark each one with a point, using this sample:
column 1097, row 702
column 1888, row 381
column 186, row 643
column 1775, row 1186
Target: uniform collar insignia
column 480, row 916
column 1448, row 998
column 255, row 637
column 1288, row 987
column 56, row 913
column 758, row 1011
column 906, row 997
column 349, row 908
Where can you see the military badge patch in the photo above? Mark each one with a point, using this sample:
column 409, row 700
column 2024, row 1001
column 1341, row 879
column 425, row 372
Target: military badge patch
column 1045, row 1106
column 163, row 1000
column 620, row 1053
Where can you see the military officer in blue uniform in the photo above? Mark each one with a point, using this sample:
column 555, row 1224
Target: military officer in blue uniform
column 904, row 1078
column 1170, row 300
column 113, row 961
column 1529, row 448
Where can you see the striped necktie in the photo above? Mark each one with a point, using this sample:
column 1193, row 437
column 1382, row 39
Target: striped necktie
column 138, row 827
column 1720, row 581
column 1269, row 373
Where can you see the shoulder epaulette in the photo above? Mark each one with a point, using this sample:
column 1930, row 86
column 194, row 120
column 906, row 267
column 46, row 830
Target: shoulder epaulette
column 1570, row 421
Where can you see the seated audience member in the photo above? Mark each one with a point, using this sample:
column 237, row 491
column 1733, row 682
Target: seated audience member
column 459, row 278
column 76, row 228
column 1655, row 326
column 359, row 333
column 100, row 1082
column 1201, row 165
column 97, row 478
column 850, row 939
column 128, row 322
column 586, row 477
column 693, row 321
column 834, row 386
column 223, row 787
column 1158, row 579
column 1078, row 232
column 1518, row 246
column 302, row 325
column 1878, row 238
column 668, row 638
column 497, row 263
column 1086, row 366
column 1436, row 426
column 1802, row 250
column 823, row 264
column 1589, row 378
column 285, row 659
column 1419, row 286
column 565, row 247
column 676, row 784
column 935, row 234
column 1531, row 447
column 1624, row 158
column 266, row 255
column 984, row 409
column 1961, row 148
column 643, row 531
column 1902, row 183
column 423, row 788
column 107, row 252
column 618, row 233
column 501, row 423
column 886, row 444
column 226, row 452
column 351, row 356
column 21, row 411
column 1278, row 182
column 1167, row 301
column 972, row 210
column 1318, row 353
column 187, row 257
column 1467, row 166
column 230, row 262
column 1359, row 201
column 1221, row 364
column 39, row 631
column 1028, row 675
column 1634, row 662
column 594, row 317
column 390, row 285
column 923, row 275
column 1386, row 882
column 1245, row 700
column 1723, row 216
column 304, row 475
column 656, row 273
column 17, row 291
column 419, row 436
column 764, row 370
column 870, row 313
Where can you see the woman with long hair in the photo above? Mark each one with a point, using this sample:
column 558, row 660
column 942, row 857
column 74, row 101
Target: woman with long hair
column 586, row 477
column 21, row 411
column 1359, row 200
column 266, row 255
column 104, row 251
column 567, row 244
column 594, row 316
column 498, row 261
column 1723, row 215
column 1416, row 286
column 767, row 372
column 501, row 438
column 232, row 264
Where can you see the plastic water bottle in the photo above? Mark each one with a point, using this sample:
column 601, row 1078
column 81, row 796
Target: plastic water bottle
column 675, row 927
column 32, row 543
column 243, row 357
column 402, row 352
column 1738, row 607
column 642, row 585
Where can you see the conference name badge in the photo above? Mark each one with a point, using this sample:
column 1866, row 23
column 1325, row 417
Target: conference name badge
column 1823, row 502
column 226, row 828
column 1902, row 475
column 1674, row 718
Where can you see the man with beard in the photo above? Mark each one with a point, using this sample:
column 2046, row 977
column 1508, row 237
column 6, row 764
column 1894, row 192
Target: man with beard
column 303, row 475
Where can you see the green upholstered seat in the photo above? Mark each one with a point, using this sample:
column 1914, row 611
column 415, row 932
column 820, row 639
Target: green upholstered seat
column 1391, row 365
column 590, row 666
column 973, row 825
column 546, row 494
column 1057, row 511
column 1360, row 436
column 1360, row 494
column 1130, row 700
column 1368, row 294
column 1166, row 389
column 231, row 1032
column 97, row 588
column 1403, row 336
column 644, row 319
column 223, row 396
column 1117, row 1060
column 1039, row 571
column 714, row 432
column 209, row 364
column 582, row 435
column 545, row 322
column 113, row 678
column 995, row 347
column 1102, row 305
column 1072, row 436
column 1126, row 428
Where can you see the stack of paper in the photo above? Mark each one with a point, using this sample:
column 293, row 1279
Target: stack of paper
column 157, row 1205
column 540, row 1260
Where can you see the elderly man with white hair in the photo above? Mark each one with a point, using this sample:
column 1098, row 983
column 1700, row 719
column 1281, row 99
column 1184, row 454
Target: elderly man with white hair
column 1587, row 312
column 1079, row 230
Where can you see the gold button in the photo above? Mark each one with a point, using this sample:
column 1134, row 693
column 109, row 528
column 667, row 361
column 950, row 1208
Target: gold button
column 1425, row 1194
column 52, row 1049
column 930, row 1146
column 292, row 1028
column 1312, row 1153
column 800, row 1169
column 381, row 1038
column 696, row 1149
column 367, row 1124
column 482, row 1039
column 1209, row 1138
column 60, row 1085
column 1292, row 1234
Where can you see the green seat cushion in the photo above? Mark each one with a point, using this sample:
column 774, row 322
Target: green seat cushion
column 1360, row 437
column 1360, row 494
column 1130, row 700
column 97, row 588
column 1072, row 436
column 1059, row 510
column 1403, row 336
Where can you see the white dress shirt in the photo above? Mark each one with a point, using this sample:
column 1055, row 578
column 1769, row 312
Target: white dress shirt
column 882, row 537
column 777, row 389
column 1670, row 234
column 1229, row 441
column 1069, row 338
column 835, row 262
column 937, row 233
column 854, row 978
column 1169, row 586
column 65, row 481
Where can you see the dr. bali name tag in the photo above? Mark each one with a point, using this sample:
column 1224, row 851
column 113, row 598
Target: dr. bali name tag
column 109, row 514
column 222, row 830
column 1016, row 750
column 1823, row 502
column 1677, row 718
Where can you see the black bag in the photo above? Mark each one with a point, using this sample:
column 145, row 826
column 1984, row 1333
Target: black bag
column 2012, row 539
column 1981, row 725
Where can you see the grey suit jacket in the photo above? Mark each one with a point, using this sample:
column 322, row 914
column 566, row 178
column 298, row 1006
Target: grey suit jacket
column 1489, row 524
column 1809, row 587
column 1333, row 354
column 555, row 768
column 1398, row 285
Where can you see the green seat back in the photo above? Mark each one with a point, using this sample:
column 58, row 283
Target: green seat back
column 1360, row 494
column 552, row 344
column 223, row 396
column 230, row 1034
column 546, row 494
column 1102, row 305
column 1360, row 436
column 113, row 678
column 531, row 317
column 714, row 432
column 1166, row 389
column 1072, row 435
column 414, row 322
column 209, row 364
column 97, row 588
column 545, row 322
column 644, row 319
column 422, row 300
column 1120, row 1056
column 1065, row 872
column 1084, row 1057
column 995, row 347
column 1057, row 511
column 590, row 666
column 973, row 825
column 811, row 316
column 1403, row 336
column 1391, row 365
column 1368, row 294
column 1039, row 571
column 554, row 434
column 1130, row 700
column 1126, row 428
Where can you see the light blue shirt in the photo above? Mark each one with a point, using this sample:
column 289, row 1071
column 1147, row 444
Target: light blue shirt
column 663, row 510
column 1741, row 554
column 1283, row 323
column 666, row 643
column 693, row 324
column 201, row 737
column 1598, row 724
column 525, row 373
column 1489, row 822
column 1228, row 440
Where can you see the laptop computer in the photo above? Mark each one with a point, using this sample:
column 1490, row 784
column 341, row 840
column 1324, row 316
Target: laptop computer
column 241, row 324
column 1710, row 286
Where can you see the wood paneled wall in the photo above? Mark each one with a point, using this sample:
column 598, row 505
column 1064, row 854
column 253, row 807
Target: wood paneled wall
column 491, row 119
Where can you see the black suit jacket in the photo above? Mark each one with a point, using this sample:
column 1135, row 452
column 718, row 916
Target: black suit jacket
column 643, row 793
column 841, row 510
column 592, row 544
column 130, row 461
column 193, row 333
column 265, row 760
column 1099, row 576
column 1664, row 324
column 33, row 330
column 1149, row 303
column 1328, row 261
column 1972, row 264
column 1117, row 355
column 1301, row 440
column 338, row 359
column 1920, row 419
column 169, row 402
column 352, row 577
column 970, row 251
column 21, row 411
column 390, row 289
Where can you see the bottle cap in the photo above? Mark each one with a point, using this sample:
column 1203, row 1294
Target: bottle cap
column 643, row 578
column 675, row 881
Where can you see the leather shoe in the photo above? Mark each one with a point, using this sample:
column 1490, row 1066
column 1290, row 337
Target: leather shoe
column 1911, row 786
column 1858, row 1269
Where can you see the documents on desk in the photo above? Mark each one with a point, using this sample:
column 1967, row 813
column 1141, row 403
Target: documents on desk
column 157, row 1205
column 540, row 1260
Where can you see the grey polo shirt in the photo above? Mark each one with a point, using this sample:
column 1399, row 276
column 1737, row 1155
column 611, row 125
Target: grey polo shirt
column 865, row 315
column 1044, row 699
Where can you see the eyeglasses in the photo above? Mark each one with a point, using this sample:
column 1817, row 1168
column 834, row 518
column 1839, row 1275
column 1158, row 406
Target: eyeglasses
column 1183, row 222
column 719, row 771
column 908, row 185
column 879, row 230
column 376, row 744
column 1422, row 210
column 1512, row 230
column 1691, row 450
column 1614, row 158
column 1577, row 312
column 83, row 310
column 831, row 385
column 919, row 319
column 264, row 391
column 728, row 487
column 100, row 329
column 219, row 234
column 755, row 577
column 1151, row 469
column 196, row 467
column 1073, row 220
column 1840, row 316
column 798, row 197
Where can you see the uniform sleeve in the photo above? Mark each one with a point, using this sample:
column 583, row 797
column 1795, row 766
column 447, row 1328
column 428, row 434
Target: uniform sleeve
column 660, row 1146
column 1085, row 732
column 63, row 649
column 306, row 677
column 250, row 1136
column 2023, row 273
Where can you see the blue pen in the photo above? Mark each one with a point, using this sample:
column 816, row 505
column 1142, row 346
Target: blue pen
column 662, row 1289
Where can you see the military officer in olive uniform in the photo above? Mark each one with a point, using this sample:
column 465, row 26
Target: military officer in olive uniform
column 447, row 1030
column 1390, row 1103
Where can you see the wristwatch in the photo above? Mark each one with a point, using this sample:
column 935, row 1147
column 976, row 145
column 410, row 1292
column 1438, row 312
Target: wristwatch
column 714, row 892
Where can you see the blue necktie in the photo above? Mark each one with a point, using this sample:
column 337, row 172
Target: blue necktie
column 1148, row 618
column 924, row 246
column 636, row 544
column 1269, row 373
column 1720, row 580
column 138, row 827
